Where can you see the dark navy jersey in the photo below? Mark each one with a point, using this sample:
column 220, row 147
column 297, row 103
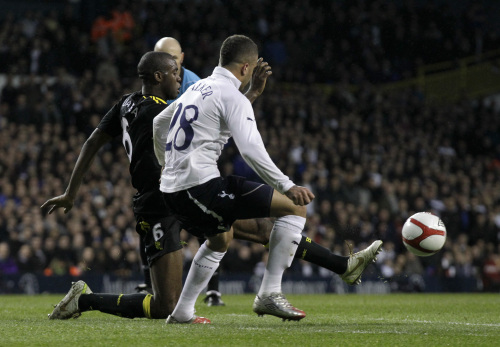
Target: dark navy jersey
column 132, row 119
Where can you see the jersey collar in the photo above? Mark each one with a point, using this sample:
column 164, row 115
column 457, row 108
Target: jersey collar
column 157, row 99
column 220, row 71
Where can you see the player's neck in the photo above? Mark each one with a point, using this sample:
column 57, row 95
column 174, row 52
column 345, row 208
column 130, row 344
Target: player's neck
column 235, row 70
column 148, row 90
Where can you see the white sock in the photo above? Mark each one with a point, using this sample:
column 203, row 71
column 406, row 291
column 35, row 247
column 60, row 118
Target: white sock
column 284, row 240
column 204, row 264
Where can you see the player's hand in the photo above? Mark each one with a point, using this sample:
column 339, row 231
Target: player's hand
column 259, row 77
column 59, row 201
column 300, row 195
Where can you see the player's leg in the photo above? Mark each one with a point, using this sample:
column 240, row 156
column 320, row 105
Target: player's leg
column 236, row 198
column 255, row 230
column 166, row 273
column 208, row 210
column 356, row 263
column 204, row 264
column 283, row 242
column 161, row 238
column 259, row 230
column 164, row 252
column 80, row 299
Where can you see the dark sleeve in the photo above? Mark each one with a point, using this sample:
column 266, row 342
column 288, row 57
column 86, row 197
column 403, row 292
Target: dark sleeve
column 111, row 123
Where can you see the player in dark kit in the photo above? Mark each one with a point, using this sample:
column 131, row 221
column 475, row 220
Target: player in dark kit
column 132, row 118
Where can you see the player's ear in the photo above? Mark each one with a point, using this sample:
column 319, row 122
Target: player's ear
column 182, row 57
column 158, row 76
column 244, row 69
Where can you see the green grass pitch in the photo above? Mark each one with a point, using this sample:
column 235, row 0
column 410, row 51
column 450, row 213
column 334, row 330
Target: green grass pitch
column 332, row 320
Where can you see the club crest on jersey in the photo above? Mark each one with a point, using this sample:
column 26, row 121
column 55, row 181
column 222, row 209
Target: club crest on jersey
column 224, row 194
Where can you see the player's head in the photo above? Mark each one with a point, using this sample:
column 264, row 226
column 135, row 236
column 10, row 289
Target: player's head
column 171, row 46
column 159, row 74
column 239, row 53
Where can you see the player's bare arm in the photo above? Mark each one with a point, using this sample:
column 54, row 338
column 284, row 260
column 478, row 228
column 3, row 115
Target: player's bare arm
column 300, row 195
column 259, row 78
column 87, row 155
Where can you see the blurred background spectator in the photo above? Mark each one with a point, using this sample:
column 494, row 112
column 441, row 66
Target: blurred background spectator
column 372, row 157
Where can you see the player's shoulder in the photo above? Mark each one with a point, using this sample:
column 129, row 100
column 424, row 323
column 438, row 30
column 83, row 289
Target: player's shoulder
column 141, row 105
column 130, row 100
column 152, row 102
column 229, row 93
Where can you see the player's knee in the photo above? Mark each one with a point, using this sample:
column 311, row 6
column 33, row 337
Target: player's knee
column 296, row 210
column 264, row 228
column 288, row 209
column 220, row 242
column 301, row 211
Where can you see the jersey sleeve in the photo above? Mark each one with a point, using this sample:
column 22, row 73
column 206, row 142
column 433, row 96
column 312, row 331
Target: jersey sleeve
column 240, row 120
column 161, row 124
column 111, row 122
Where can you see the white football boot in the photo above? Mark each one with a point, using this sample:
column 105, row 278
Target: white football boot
column 358, row 262
column 275, row 304
column 68, row 307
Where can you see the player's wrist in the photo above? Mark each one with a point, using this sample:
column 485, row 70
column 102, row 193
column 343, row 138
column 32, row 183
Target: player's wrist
column 70, row 195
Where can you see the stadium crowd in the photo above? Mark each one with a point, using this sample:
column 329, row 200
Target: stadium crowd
column 372, row 159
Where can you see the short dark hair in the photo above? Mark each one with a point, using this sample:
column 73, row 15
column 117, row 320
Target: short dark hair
column 152, row 62
column 237, row 49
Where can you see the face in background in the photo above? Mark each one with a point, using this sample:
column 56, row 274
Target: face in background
column 171, row 46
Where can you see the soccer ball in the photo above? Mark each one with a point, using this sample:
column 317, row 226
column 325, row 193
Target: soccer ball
column 424, row 234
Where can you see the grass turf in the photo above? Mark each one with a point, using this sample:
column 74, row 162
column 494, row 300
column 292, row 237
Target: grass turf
column 332, row 320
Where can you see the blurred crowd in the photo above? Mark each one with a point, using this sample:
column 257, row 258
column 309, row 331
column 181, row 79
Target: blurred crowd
column 372, row 159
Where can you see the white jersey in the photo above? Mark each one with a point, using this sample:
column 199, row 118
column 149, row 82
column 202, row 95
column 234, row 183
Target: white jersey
column 190, row 133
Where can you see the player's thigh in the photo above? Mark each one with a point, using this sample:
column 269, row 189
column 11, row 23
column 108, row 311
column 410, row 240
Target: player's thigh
column 211, row 208
column 253, row 230
column 160, row 235
column 281, row 206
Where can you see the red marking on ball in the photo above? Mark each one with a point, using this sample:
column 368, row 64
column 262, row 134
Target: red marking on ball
column 426, row 232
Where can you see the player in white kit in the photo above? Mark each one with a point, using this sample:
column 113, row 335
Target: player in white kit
column 200, row 123
column 189, row 137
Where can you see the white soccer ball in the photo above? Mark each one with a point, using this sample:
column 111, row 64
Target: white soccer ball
column 424, row 234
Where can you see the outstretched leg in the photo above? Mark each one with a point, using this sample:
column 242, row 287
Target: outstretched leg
column 259, row 230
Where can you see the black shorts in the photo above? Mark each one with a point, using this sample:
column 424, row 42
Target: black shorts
column 160, row 235
column 211, row 208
